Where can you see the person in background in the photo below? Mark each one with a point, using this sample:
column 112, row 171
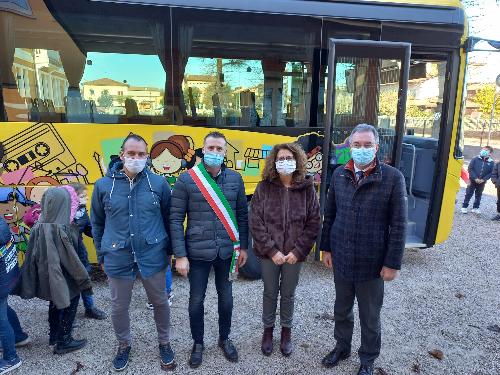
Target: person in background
column 52, row 270
column 495, row 178
column 84, row 227
column 11, row 333
column 480, row 170
column 284, row 222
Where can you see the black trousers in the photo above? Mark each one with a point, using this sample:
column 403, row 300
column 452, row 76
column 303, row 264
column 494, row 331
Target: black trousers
column 471, row 189
column 61, row 321
column 370, row 297
column 498, row 200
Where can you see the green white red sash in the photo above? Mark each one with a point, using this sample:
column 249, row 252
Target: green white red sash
column 218, row 202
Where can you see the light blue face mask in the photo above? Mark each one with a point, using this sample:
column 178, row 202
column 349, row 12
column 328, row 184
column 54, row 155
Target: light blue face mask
column 213, row 159
column 484, row 153
column 363, row 156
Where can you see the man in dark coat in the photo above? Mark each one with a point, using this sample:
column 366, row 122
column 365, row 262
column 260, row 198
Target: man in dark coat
column 363, row 238
column 206, row 243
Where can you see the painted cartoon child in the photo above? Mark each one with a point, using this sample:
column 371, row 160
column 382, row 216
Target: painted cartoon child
column 171, row 155
column 37, row 186
column 13, row 206
column 312, row 144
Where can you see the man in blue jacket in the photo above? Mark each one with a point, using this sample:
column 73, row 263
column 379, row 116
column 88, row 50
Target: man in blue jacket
column 480, row 170
column 206, row 244
column 129, row 217
column 363, row 236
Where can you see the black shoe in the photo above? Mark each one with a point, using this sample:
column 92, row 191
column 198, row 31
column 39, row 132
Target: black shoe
column 95, row 313
column 333, row 358
column 196, row 357
column 365, row 370
column 496, row 218
column 229, row 350
column 69, row 345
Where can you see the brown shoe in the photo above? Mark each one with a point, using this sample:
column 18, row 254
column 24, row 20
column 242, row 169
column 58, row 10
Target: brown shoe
column 267, row 341
column 286, row 346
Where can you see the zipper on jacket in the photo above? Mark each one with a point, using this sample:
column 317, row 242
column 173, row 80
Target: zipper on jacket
column 285, row 224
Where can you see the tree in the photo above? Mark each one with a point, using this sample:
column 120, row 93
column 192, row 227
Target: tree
column 105, row 100
column 484, row 97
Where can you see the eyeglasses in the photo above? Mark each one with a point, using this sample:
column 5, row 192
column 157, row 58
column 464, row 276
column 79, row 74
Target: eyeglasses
column 287, row 158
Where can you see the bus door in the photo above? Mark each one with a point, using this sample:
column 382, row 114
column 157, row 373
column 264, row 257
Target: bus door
column 367, row 83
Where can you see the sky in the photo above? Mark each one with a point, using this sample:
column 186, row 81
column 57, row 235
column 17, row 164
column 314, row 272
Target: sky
column 137, row 70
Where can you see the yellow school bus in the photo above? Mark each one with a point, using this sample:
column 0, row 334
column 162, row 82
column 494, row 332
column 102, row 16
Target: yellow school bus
column 77, row 76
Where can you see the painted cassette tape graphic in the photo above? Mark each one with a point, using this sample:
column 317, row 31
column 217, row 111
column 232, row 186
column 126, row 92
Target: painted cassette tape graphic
column 40, row 147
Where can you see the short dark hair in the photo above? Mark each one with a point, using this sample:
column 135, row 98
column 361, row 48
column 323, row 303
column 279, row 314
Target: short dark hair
column 79, row 188
column 135, row 137
column 215, row 135
column 489, row 148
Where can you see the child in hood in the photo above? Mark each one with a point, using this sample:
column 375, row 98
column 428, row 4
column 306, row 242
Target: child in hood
column 52, row 270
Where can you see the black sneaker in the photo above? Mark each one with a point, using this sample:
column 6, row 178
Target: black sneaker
column 69, row 345
column 166, row 357
column 496, row 218
column 229, row 350
column 196, row 357
column 120, row 362
column 95, row 313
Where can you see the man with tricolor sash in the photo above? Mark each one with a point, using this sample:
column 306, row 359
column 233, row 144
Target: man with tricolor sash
column 216, row 236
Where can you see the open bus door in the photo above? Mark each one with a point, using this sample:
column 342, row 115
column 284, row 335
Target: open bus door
column 360, row 73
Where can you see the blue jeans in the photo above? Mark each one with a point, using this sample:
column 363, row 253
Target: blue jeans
column 10, row 330
column 198, row 279
column 88, row 302
column 168, row 280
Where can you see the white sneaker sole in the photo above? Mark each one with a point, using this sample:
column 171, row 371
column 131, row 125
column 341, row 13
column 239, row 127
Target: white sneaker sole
column 11, row 368
column 121, row 368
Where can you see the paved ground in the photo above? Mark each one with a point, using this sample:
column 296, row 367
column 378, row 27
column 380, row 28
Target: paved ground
column 445, row 299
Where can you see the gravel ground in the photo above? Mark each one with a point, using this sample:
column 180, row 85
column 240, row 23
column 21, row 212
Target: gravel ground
column 445, row 299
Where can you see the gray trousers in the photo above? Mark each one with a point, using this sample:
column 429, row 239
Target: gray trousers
column 279, row 280
column 121, row 295
column 370, row 296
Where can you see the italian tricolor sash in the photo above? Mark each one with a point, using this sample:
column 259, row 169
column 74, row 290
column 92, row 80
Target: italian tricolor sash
column 218, row 202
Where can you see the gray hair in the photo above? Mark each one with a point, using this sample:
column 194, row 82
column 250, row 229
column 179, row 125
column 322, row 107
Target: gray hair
column 363, row 128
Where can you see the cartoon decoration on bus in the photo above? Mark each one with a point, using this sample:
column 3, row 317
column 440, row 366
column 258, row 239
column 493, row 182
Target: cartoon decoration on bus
column 169, row 157
column 13, row 206
column 312, row 143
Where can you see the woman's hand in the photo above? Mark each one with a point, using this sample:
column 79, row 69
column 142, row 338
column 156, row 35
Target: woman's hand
column 291, row 258
column 278, row 258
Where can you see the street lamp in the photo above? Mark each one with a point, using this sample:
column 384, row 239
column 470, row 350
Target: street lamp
column 497, row 82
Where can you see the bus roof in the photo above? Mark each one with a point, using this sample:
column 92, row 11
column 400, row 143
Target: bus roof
column 439, row 12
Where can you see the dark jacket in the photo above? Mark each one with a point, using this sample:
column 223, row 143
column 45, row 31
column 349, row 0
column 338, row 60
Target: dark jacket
column 130, row 222
column 5, row 234
column 84, row 227
column 495, row 175
column 284, row 219
column 205, row 237
column 365, row 224
column 481, row 168
column 52, row 270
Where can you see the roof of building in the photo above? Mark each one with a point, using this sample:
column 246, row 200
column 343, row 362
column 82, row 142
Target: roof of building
column 200, row 77
column 105, row 82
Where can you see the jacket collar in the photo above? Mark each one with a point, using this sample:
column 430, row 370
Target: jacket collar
column 372, row 174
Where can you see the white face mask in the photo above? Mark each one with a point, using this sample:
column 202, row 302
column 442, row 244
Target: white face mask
column 286, row 167
column 134, row 165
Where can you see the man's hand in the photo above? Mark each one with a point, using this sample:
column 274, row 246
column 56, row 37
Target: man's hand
column 278, row 258
column 182, row 265
column 291, row 258
column 242, row 259
column 327, row 259
column 388, row 274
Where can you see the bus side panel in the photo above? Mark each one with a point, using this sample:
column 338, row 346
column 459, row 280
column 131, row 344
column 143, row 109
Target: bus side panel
column 37, row 156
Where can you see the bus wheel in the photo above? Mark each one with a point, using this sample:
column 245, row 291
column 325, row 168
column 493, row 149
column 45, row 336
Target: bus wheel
column 251, row 269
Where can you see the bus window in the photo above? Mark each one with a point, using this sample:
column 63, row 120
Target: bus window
column 232, row 69
column 124, row 87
